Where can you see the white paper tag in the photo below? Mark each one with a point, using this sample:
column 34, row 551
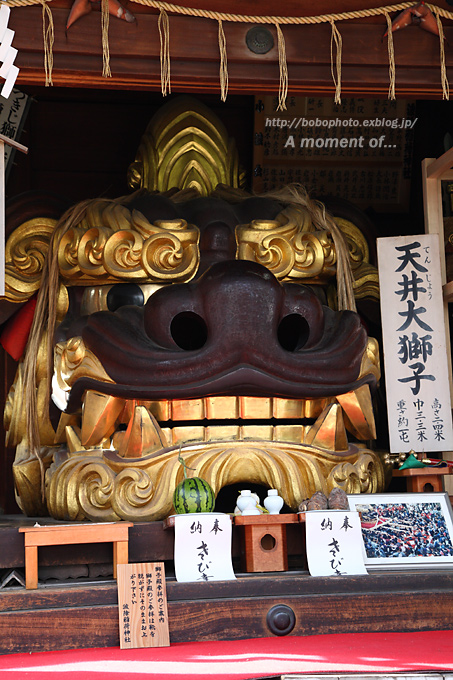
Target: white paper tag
column 5, row 11
column 334, row 543
column 6, row 43
column 203, row 547
column 9, row 82
column 8, row 62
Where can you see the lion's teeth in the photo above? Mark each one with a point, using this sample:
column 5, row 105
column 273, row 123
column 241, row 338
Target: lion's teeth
column 100, row 415
column 65, row 420
column 103, row 415
column 255, row 408
column 329, row 432
column 358, row 413
column 73, row 439
column 143, row 435
column 222, row 408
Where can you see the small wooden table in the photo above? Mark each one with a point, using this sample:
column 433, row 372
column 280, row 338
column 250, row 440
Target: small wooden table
column 264, row 541
column 418, row 478
column 70, row 534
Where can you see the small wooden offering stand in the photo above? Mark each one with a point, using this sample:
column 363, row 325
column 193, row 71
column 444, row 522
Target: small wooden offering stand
column 264, row 541
column 417, row 479
column 118, row 533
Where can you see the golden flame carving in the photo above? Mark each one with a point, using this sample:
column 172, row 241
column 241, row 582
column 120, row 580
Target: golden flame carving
column 186, row 146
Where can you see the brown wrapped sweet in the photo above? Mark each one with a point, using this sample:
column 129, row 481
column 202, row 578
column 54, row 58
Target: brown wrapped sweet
column 317, row 502
column 338, row 499
column 303, row 505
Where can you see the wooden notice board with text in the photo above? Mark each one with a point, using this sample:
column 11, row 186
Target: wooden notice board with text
column 359, row 150
column 142, row 603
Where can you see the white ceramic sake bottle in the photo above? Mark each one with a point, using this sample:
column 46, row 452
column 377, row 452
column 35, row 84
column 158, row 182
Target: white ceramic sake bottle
column 247, row 504
column 273, row 503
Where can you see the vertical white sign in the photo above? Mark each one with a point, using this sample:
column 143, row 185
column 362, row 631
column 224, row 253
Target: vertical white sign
column 203, row 547
column 334, row 543
column 415, row 355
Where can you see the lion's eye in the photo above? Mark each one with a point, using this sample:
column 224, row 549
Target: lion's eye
column 112, row 297
column 122, row 294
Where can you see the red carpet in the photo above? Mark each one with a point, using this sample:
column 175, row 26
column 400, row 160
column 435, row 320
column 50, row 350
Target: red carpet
column 239, row 660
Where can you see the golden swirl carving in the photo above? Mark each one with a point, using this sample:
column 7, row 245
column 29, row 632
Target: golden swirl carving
column 68, row 249
column 123, row 252
column 134, row 491
column 288, row 246
column 91, row 251
column 166, row 257
column 361, row 476
column 80, row 487
column 104, row 485
column 293, row 249
column 93, row 489
column 129, row 248
column 25, row 254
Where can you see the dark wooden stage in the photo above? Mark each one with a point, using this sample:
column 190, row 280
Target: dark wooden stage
column 83, row 613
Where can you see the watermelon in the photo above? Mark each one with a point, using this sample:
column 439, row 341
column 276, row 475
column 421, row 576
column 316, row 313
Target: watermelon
column 193, row 494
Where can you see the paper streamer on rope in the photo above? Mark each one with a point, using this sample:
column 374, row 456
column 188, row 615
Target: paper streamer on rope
column 106, row 72
column 443, row 68
column 8, row 70
column 164, row 35
column 223, row 63
column 336, row 69
column 283, row 87
column 391, row 51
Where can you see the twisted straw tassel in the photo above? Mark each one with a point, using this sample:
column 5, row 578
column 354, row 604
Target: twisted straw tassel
column 48, row 35
column 336, row 72
column 164, row 35
column 106, row 72
column 283, row 87
column 391, row 51
column 223, row 63
column 443, row 68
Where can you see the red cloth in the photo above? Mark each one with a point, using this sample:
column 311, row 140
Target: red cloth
column 237, row 660
column 14, row 336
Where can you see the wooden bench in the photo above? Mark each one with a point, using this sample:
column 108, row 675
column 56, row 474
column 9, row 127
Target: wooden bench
column 70, row 534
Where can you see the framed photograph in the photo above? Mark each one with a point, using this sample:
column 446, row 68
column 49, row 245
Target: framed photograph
column 405, row 530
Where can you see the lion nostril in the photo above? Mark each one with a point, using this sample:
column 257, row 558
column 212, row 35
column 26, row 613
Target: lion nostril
column 293, row 332
column 189, row 331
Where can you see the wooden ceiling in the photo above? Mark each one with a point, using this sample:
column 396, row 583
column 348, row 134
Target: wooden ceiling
column 194, row 50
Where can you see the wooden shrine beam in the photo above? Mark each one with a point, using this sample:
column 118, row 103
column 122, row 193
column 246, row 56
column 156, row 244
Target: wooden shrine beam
column 194, row 51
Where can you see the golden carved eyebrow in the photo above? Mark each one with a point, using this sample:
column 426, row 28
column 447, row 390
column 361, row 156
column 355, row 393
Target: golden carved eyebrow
column 133, row 250
column 114, row 244
column 109, row 245
column 293, row 249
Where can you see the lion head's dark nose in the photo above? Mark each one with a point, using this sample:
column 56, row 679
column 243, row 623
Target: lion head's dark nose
column 235, row 304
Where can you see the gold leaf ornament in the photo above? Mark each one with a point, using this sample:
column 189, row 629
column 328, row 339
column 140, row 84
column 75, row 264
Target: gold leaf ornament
column 167, row 254
column 123, row 253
